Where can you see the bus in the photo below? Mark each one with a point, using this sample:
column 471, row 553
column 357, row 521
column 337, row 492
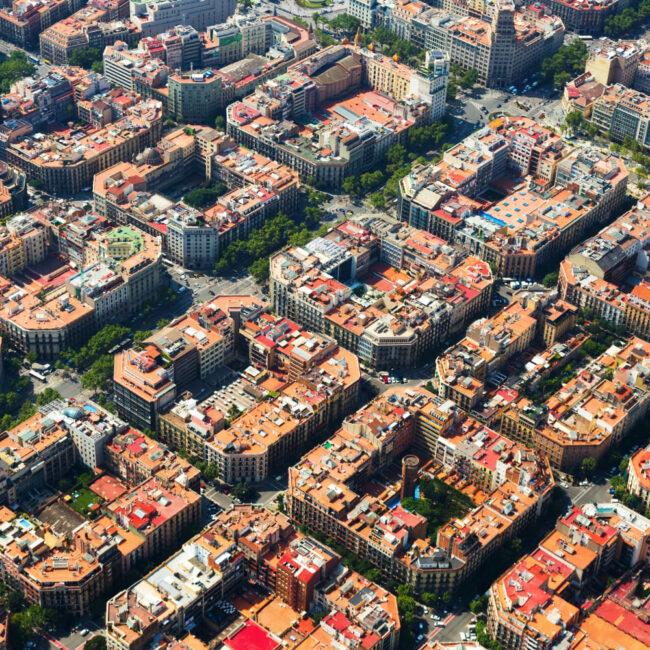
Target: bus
column 33, row 59
column 37, row 375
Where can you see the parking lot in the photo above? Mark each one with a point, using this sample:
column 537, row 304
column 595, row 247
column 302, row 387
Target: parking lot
column 233, row 394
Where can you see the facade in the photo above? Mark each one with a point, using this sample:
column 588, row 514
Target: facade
column 93, row 26
column 584, row 17
column 623, row 112
column 590, row 414
column 561, row 195
column 384, row 325
column 531, row 605
column 326, row 490
column 143, row 384
column 258, row 442
column 592, row 275
column 122, row 271
column 79, row 157
column 153, row 17
column 638, row 476
column 339, row 72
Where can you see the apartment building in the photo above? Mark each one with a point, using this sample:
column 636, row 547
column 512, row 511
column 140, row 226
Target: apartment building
column 338, row 149
column 565, row 193
column 259, row 441
column 124, row 269
column 279, row 345
column 581, row 93
column 636, row 318
column 173, row 158
column 623, row 112
column 532, row 604
column 584, row 17
column 326, row 491
column 188, row 423
column 40, row 100
column 153, row 17
column 617, row 616
column 615, row 62
column 70, row 577
column 143, row 384
column 592, row 275
column 24, row 243
column 463, row 370
column 239, row 167
column 81, row 153
column 136, row 458
column 96, row 25
column 21, row 21
column 34, row 453
column 160, row 515
column 205, row 570
column 638, row 475
column 385, row 325
column 46, row 327
column 501, row 47
column 591, row 413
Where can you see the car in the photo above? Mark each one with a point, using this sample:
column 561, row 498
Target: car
column 83, row 632
column 564, row 484
column 226, row 491
column 611, row 491
column 583, row 483
column 72, row 399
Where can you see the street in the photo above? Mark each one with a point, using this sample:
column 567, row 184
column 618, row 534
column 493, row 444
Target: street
column 474, row 108
column 267, row 490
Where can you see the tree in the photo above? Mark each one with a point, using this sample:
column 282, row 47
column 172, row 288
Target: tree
column 220, row 123
column 242, row 491
column 377, row 201
column 85, row 58
column 350, row 185
column 479, row 604
column 163, row 322
column 31, row 356
column 344, row 23
column 567, row 63
column 203, row 197
column 211, row 472
column 260, row 270
column 588, row 466
column 14, row 67
column 98, row 642
column 469, row 79
column 140, row 336
column 592, row 129
column 550, row 279
column 573, row 120
column 97, row 377
column 452, row 91
column 47, row 395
